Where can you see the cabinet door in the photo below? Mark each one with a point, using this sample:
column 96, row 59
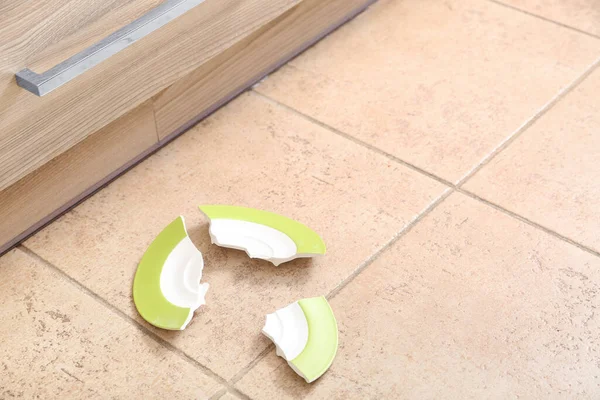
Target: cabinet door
column 42, row 36
column 45, row 193
column 232, row 71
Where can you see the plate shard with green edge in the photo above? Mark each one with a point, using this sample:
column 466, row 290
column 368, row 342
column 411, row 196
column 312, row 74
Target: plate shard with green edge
column 306, row 336
column 262, row 234
column 166, row 287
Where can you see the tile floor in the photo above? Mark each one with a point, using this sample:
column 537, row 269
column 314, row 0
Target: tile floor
column 447, row 151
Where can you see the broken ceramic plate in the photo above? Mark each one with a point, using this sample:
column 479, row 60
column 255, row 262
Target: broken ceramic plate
column 166, row 287
column 306, row 336
column 262, row 234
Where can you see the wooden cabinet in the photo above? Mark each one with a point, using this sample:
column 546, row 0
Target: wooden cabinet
column 235, row 69
column 39, row 35
column 57, row 149
column 45, row 193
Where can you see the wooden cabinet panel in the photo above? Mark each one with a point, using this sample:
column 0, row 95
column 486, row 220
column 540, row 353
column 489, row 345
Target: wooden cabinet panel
column 34, row 130
column 45, row 193
column 225, row 69
column 217, row 81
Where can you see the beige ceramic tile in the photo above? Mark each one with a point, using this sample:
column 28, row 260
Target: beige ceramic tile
column 228, row 396
column 439, row 84
column 59, row 343
column 551, row 174
column 255, row 154
column 471, row 303
column 580, row 14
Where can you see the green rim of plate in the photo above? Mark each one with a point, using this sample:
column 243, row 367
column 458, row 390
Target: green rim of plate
column 307, row 241
column 322, row 344
column 147, row 295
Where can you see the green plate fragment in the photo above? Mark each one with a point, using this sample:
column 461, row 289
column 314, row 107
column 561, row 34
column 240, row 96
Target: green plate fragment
column 262, row 234
column 306, row 335
column 166, row 287
column 320, row 350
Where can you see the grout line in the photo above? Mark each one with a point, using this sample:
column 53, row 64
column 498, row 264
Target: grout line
column 492, row 154
column 224, row 391
column 528, row 222
column 511, row 138
column 231, row 389
column 458, row 186
column 500, row 3
column 242, row 372
column 136, row 324
column 405, row 229
column 229, row 385
column 352, row 138
column 239, row 394
column 78, row 199
column 218, row 394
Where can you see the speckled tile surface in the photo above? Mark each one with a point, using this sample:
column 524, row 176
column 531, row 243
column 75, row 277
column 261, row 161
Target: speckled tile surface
column 228, row 396
column 551, row 174
column 439, row 84
column 255, row 154
column 470, row 304
column 58, row 342
column 580, row 14
column 488, row 293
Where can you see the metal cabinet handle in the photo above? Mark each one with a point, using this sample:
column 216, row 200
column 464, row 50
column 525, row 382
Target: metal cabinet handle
column 41, row 84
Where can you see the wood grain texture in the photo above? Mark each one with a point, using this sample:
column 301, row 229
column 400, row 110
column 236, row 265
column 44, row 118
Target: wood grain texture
column 29, row 28
column 34, row 130
column 232, row 71
column 41, row 195
column 46, row 193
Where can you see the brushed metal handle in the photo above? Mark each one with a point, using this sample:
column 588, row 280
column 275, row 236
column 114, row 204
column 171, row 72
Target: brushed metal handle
column 41, row 84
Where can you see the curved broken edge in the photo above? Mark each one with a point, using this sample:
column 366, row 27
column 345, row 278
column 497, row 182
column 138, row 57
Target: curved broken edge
column 318, row 349
column 166, row 287
column 262, row 234
column 288, row 329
